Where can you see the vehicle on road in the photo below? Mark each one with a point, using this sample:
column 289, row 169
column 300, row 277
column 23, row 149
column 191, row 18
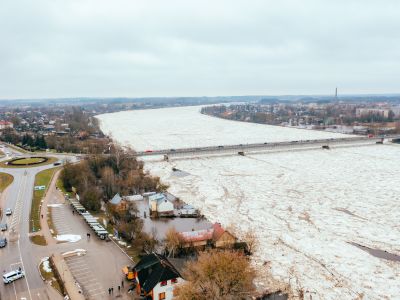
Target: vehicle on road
column 13, row 275
column 3, row 242
column 3, row 227
column 8, row 212
column 148, row 151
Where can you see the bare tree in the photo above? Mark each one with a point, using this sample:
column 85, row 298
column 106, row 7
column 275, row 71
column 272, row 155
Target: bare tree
column 218, row 275
column 173, row 241
column 251, row 240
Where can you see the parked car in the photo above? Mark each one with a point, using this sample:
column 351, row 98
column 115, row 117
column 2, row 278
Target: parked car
column 3, row 227
column 13, row 275
column 8, row 212
column 3, row 242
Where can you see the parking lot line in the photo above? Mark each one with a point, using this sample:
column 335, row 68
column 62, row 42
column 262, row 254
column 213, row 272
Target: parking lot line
column 92, row 284
column 78, row 274
column 78, row 266
column 97, row 294
column 86, row 281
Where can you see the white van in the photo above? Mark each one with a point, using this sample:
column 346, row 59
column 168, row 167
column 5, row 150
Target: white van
column 13, row 275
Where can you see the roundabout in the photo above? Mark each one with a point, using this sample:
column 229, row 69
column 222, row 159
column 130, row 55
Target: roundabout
column 26, row 162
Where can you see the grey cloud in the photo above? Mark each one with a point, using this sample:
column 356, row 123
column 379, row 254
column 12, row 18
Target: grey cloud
column 175, row 48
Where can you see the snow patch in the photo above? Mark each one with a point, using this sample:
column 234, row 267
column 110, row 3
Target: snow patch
column 46, row 264
column 72, row 238
column 54, row 205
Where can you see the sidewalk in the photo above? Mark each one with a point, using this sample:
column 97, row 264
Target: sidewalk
column 52, row 196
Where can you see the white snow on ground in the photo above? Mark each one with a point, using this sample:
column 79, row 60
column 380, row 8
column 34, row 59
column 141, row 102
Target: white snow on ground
column 54, row 205
column 72, row 238
column 78, row 252
column 46, row 264
column 305, row 206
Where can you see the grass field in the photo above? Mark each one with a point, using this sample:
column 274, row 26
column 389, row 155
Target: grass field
column 51, row 160
column 28, row 160
column 42, row 178
column 38, row 240
column 5, row 181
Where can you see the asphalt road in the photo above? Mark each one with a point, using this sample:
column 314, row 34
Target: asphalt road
column 102, row 265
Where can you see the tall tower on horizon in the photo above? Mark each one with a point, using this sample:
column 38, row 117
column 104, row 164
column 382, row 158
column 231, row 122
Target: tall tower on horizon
column 336, row 93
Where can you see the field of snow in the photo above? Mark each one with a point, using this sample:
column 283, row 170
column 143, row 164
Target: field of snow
column 306, row 207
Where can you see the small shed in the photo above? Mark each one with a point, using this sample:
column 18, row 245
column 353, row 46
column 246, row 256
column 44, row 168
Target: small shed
column 222, row 238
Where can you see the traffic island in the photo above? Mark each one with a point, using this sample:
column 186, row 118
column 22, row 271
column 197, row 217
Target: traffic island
column 28, row 162
column 47, row 274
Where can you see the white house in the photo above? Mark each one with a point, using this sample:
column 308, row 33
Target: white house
column 160, row 205
column 157, row 277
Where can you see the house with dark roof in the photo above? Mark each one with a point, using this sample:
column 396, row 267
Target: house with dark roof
column 156, row 277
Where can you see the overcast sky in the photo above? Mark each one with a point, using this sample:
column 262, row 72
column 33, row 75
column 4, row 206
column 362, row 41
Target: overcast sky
column 132, row 48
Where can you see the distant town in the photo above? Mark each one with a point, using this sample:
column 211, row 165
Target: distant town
column 353, row 117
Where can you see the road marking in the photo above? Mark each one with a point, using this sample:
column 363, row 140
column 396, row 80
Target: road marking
column 88, row 280
column 16, row 218
column 101, row 293
column 26, row 276
column 79, row 268
column 79, row 274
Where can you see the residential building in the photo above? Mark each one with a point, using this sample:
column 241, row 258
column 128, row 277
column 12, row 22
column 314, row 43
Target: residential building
column 6, row 124
column 362, row 112
column 160, row 205
column 216, row 236
column 156, row 277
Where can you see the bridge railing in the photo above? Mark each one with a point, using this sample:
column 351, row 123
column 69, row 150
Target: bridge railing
column 253, row 146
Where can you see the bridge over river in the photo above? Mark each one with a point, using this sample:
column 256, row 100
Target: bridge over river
column 241, row 149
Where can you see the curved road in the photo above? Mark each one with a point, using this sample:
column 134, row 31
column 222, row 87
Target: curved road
column 96, row 271
column 20, row 252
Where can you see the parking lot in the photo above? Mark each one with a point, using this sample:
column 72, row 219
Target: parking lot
column 86, row 278
column 61, row 218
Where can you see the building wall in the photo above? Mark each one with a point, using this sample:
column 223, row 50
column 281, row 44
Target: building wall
column 165, row 206
column 168, row 289
column 225, row 240
column 366, row 111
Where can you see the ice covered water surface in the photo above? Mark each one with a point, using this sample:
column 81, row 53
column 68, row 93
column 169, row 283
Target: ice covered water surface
column 306, row 207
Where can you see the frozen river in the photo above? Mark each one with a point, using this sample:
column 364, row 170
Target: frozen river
column 306, row 207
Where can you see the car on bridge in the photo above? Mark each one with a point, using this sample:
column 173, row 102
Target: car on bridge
column 148, row 151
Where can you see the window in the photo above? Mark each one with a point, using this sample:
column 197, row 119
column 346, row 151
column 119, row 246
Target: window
column 175, row 280
column 161, row 296
column 163, row 283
